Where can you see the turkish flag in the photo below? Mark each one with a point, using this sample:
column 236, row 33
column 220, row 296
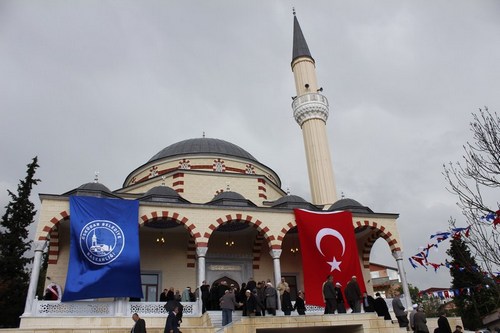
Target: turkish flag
column 328, row 247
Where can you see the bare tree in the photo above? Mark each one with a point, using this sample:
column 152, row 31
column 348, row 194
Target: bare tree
column 475, row 180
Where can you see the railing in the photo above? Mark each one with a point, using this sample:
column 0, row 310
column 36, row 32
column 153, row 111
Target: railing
column 107, row 309
column 312, row 97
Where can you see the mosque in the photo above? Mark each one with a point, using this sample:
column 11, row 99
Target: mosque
column 210, row 211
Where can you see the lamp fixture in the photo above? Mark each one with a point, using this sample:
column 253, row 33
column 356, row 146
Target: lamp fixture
column 229, row 242
column 160, row 239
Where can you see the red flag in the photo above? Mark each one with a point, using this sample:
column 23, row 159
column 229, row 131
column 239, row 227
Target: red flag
column 328, row 247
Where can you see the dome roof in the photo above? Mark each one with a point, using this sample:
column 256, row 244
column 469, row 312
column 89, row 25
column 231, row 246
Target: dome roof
column 92, row 189
column 162, row 191
column 351, row 205
column 93, row 186
column 292, row 201
column 228, row 195
column 203, row 146
column 230, row 198
column 289, row 199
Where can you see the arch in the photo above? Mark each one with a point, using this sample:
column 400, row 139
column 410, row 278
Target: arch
column 227, row 280
column 50, row 232
column 247, row 219
column 165, row 214
column 257, row 250
column 184, row 221
column 377, row 231
column 53, row 245
column 289, row 226
column 53, row 222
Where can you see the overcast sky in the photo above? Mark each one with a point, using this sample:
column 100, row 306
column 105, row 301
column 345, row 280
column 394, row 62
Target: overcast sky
column 104, row 85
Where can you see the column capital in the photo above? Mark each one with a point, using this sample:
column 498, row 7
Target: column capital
column 275, row 253
column 39, row 245
column 398, row 255
column 201, row 251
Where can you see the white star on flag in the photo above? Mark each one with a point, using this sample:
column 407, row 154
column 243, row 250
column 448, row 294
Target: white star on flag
column 334, row 264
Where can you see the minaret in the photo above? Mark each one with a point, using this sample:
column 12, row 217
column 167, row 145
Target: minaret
column 310, row 110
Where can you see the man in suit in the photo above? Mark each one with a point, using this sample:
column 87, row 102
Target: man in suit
column 329, row 295
column 443, row 323
column 172, row 324
column 399, row 310
column 139, row 326
column 381, row 307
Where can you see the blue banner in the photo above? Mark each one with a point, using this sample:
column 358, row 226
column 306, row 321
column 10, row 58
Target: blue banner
column 104, row 258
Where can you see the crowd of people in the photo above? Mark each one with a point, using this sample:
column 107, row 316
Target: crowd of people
column 261, row 298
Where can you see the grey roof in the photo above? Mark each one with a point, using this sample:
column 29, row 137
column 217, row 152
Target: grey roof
column 162, row 190
column 300, row 48
column 91, row 189
column 293, row 201
column 230, row 198
column 94, row 187
column 163, row 194
column 351, row 205
column 203, row 146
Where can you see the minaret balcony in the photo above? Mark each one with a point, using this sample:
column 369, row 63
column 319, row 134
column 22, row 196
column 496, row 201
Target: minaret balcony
column 310, row 106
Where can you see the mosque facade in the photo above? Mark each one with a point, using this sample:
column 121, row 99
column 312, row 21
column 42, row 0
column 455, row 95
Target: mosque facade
column 210, row 211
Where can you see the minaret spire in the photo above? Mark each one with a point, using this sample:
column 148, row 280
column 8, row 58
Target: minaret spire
column 300, row 48
column 311, row 110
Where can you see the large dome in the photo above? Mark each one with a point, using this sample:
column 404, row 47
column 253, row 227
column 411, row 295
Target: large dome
column 203, row 146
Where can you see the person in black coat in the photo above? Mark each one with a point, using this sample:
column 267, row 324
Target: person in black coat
column 369, row 303
column 329, row 295
column 163, row 295
column 175, row 304
column 170, row 294
column 381, row 307
column 251, row 284
column 249, row 304
column 300, row 304
column 205, row 297
column 443, row 323
column 172, row 324
column 139, row 326
column 286, row 305
column 340, row 298
column 214, row 297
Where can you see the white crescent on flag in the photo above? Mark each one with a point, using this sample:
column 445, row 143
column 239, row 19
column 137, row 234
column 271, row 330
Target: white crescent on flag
column 334, row 264
column 329, row 232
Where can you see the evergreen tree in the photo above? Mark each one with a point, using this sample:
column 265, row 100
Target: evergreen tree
column 14, row 243
column 478, row 293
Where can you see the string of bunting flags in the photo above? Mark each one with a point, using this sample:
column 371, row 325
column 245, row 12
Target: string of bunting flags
column 450, row 293
column 422, row 258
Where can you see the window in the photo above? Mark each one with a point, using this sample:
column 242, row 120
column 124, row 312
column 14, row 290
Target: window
column 150, row 288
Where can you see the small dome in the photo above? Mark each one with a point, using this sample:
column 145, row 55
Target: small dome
column 162, row 190
column 229, row 195
column 203, row 146
column 163, row 194
column 93, row 186
column 91, row 190
column 291, row 201
column 351, row 205
column 230, row 198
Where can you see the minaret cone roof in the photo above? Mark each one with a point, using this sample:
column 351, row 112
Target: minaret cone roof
column 300, row 48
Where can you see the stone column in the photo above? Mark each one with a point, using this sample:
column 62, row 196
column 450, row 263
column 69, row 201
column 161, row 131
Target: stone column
column 38, row 247
column 201, row 252
column 276, row 254
column 398, row 255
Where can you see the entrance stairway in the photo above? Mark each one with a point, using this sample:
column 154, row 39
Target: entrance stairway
column 216, row 318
